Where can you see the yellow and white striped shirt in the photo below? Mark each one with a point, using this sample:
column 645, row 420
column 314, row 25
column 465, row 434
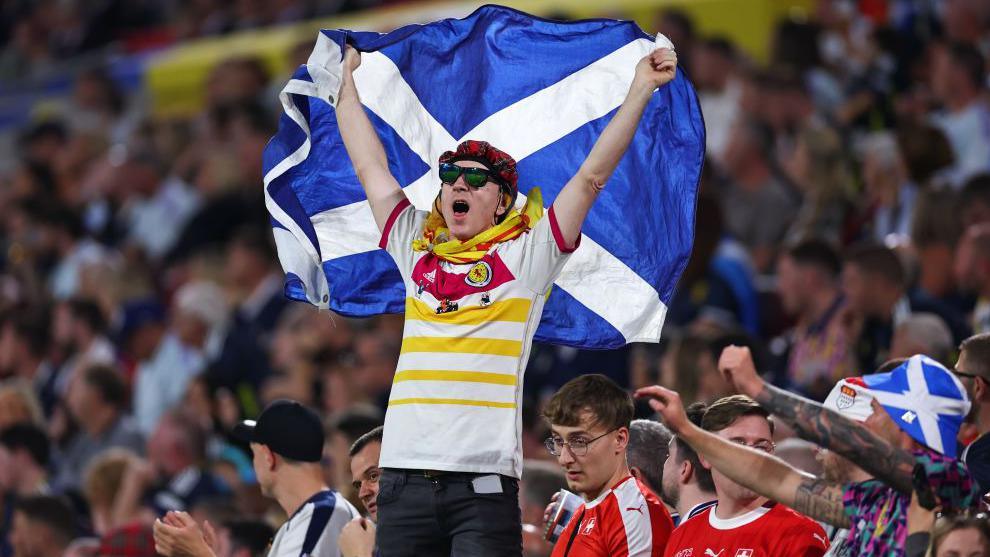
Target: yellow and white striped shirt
column 456, row 398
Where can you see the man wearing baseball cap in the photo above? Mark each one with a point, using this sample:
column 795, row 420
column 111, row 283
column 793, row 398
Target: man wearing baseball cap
column 917, row 409
column 287, row 444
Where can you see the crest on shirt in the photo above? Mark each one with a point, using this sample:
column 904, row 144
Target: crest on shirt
column 689, row 552
column 847, row 397
column 744, row 553
column 480, row 275
column 588, row 526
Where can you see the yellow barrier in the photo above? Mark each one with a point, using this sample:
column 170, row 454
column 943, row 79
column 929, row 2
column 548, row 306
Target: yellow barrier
column 177, row 78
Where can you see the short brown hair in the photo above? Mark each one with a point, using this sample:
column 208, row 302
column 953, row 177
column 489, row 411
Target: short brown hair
column 977, row 348
column 880, row 261
column 611, row 406
column 725, row 411
column 105, row 475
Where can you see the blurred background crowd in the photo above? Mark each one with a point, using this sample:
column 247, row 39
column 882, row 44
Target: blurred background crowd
column 843, row 219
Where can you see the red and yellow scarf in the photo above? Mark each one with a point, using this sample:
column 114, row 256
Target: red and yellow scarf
column 436, row 237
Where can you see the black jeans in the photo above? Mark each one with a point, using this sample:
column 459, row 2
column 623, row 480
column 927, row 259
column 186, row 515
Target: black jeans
column 442, row 516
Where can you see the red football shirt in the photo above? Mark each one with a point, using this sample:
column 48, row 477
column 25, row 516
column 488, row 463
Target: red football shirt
column 625, row 521
column 768, row 531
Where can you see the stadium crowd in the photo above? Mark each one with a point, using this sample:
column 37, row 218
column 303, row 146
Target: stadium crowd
column 843, row 226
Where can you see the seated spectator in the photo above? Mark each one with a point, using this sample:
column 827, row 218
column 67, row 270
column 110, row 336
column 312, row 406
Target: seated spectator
column 874, row 282
column 923, row 333
column 18, row 404
column 741, row 519
column 540, row 481
column 934, row 236
column 972, row 272
column 762, row 207
column 891, row 195
column 199, row 321
column 820, row 348
column 43, row 526
column 79, row 333
column 961, row 536
column 958, row 81
column 358, row 537
column 24, row 451
column 175, row 476
column 717, row 284
column 343, row 430
column 648, row 447
column 96, row 401
column 686, row 484
column 24, row 345
column 257, row 285
column 101, row 487
column 589, row 419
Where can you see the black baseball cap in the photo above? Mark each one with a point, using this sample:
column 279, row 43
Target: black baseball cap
column 288, row 428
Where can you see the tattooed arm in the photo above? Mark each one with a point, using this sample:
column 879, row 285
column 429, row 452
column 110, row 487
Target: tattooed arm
column 761, row 472
column 813, row 422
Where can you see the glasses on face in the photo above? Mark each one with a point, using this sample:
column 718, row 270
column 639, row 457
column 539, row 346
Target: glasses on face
column 972, row 376
column 578, row 445
column 765, row 446
column 474, row 177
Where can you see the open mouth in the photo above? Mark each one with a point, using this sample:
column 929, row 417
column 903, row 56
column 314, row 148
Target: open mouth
column 460, row 207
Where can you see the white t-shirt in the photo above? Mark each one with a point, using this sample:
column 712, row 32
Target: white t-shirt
column 456, row 398
column 314, row 528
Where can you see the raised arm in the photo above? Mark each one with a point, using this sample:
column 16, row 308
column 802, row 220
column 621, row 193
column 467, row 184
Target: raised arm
column 763, row 473
column 364, row 147
column 574, row 201
column 813, row 422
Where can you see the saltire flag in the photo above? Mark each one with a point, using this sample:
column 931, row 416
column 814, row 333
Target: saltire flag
column 541, row 91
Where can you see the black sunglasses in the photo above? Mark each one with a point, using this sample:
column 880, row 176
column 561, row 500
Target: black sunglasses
column 474, row 177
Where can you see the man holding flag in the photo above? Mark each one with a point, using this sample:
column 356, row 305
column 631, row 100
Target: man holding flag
column 477, row 273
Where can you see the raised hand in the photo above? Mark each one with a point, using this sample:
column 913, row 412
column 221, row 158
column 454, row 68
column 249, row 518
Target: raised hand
column 668, row 404
column 657, row 68
column 352, row 58
column 738, row 369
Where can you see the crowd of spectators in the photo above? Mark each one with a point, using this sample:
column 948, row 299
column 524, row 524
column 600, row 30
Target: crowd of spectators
column 843, row 220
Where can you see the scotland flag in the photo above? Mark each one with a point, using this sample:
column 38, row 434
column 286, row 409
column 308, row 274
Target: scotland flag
column 927, row 401
column 539, row 90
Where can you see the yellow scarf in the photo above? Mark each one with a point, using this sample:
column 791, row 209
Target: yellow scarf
column 456, row 251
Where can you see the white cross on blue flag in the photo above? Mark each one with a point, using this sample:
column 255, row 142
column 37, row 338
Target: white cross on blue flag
column 540, row 90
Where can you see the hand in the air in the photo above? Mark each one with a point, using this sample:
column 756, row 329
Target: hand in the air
column 352, row 58
column 738, row 369
column 668, row 404
column 657, row 68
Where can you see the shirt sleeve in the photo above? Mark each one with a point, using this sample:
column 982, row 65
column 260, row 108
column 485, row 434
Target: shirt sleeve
column 404, row 225
column 951, row 483
column 538, row 256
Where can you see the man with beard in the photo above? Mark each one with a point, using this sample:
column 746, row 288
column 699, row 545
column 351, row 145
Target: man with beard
column 686, row 484
column 287, row 443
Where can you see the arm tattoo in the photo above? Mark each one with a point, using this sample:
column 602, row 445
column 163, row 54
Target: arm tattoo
column 813, row 422
column 821, row 500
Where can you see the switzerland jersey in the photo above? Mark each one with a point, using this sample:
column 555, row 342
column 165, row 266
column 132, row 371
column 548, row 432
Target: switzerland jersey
column 625, row 521
column 456, row 398
column 768, row 531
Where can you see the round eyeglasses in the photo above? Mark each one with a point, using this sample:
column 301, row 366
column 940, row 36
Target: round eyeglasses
column 578, row 446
